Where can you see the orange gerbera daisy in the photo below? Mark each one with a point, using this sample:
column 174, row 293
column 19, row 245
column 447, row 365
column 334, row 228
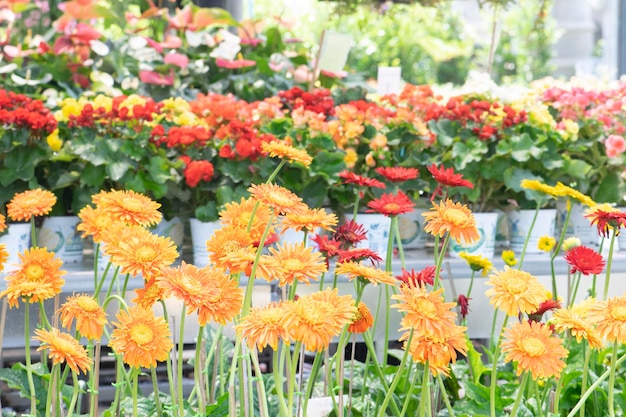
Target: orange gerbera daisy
column 425, row 311
column 535, row 349
column 149, row 294
column 129, row 207
column 579, row 326
column 89, row 315
column 298, row 263
column 231, row 248
column 94, row 222
column 183, row 283
column 222, row 299
column 453, row 218
column 310, row 220
column 62, row 347
column 279, row 198
column 247, row 215
column 356, row 270
column 38, row 277
column 264, row 326
column 438, row 352
column 138, row 251
column 515, row 291
column 141, row 338
column 3, row 223
column 610, row 318
column 315, row 318
column 4, row 256
column 362, row 319
column 30, row 203
column 283, row 150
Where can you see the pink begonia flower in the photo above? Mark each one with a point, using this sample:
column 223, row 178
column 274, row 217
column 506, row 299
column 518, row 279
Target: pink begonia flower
column 238, row 63
column 251, row 41
column 330, row 74
column 615, row 146
column 156, row 78
column 170, row 42
column 180, row 60
column 302, row 74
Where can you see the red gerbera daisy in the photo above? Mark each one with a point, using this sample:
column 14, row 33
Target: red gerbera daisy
column 425, row 276
column 398, row 174
column 544, row 307
column 605, row 220
column 358, row 255
column 447, row 177
column 329, row 247
column 584, row 260
column 350, row 233
column 349, row 177
column 391, row 204
column 463, row 303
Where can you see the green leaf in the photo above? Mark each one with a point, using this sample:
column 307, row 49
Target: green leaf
column 206, row 213
column 117, row 169
column 610, row 189
column 219, row 408
column 475, row 362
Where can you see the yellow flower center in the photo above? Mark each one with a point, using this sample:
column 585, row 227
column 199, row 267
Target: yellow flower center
column 618, row 313
column 131, row 204
column 141, row 334
column 455, row 216
column 231, row 246
column 533, row 346
column 293, row 264
column 515, row 285
column 392, row 207
column 215, row 296
column 145, row 254
column 281, row 200
column 87, row 304
column 34, row 272
column 426, row 308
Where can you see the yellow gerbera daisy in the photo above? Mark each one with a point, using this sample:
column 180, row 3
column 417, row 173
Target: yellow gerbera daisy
column 310, row 220
column 477, row 263
column 129, row 207
column 30, row 203
column 438, row 352
column 541, row 187
column 247, row 215
column 453, row 218
column 546, row 243
column 514, row 291
column 283, row 150
column 315, row 318
column 298, row 263
column 279, row 198
column 425, row 311
column 138, row 251
column 508, row 256
column 566, row 191
column 362, row 320
column 265, row 326
column 89, row 315
column 370, row 274
column 63, row 348
column 141, row 338
column 580, row 327
column 533, row 347
column 38, row 277
column 610, row 318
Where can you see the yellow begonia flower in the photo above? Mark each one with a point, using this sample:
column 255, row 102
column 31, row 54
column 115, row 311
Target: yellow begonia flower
column 351, row 158
column 53, row 141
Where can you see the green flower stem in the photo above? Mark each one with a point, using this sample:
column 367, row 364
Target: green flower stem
column 520, row 394
column 436, row 249
column 155, row 388
column 389, row 257
column 557, row 250
column 179, row 362
column 276, row 171
column 94, row 379
column 53, row 390
column 33, row 233
column 595, row 385
column 70, row 409
column 410, row 389
column 396, row 226
column 437, row 280
column 609, row 262
column 43, row 317
column 247, row 302
column 278, row 382
column 494, row 370
column 263, row 409
column 29, row 366
column 425, row 394
column 135, row 388
column 292, row 375
column 583, row 383
column 232, row 400
column 170, row 373
column 113, row 279
column 396, row 379
column 357, row 199
column 557, row 394
column 125, row 285
column 381, row 376
column 612, row 380
column 469, row 290
column 539, row 399
column 292, row 290
column 532, row 226
column 118, row 376
column 576, row 284
column 197, row 372
column 444, row 394
column 311, row 382
column 595, row 276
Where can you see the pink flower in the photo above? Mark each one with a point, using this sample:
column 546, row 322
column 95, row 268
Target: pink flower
column 180, row 60
column 239, row 63
column 153, row 77
column 615, row 146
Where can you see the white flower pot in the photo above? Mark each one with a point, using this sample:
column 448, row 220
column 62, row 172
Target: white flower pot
column 519, row 227
column 411, row 227
column 17, row 240
column 487, row 225
column 200, row 233
column 377, row 227
column 58, row 234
